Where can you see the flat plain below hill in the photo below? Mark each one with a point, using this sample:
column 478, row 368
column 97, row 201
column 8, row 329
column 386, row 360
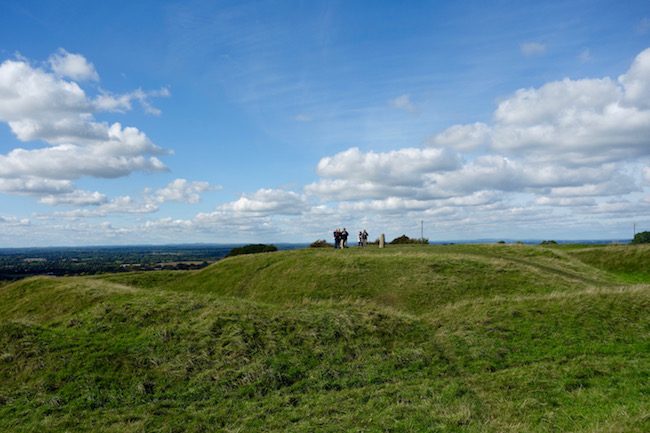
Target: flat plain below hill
column 457, row 338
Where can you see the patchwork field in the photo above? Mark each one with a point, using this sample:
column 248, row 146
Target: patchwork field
column 457, row 338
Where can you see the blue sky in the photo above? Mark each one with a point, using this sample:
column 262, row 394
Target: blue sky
column 166, row 122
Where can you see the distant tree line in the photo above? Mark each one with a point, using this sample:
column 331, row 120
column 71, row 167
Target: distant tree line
column 252, row 249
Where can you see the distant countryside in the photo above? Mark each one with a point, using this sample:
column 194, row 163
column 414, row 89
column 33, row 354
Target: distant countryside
column 18, row 263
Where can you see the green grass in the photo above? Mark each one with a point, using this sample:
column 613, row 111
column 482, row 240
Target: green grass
column 630, row 263
column 487, row 338
column 407, row 278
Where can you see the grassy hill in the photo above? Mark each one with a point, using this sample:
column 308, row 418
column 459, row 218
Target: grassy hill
column 488, row 338
column 628, row 263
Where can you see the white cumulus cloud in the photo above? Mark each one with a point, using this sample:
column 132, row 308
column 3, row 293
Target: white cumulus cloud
column 182, row 190
column 51, row 107
column 636, row 81
column 568, row 142
column 267, row 201
column 587, row 121
column 74, row 66
column 463, row 137
column 14, row 221
column 76, row 198
column 398, row 167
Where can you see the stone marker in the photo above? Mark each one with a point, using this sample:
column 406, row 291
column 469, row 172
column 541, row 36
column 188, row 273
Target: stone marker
column 382, row 240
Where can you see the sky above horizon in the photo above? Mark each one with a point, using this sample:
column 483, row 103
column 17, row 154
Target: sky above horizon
column 154, row 122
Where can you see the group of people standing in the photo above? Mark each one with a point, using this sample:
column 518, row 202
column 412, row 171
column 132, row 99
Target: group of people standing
column 363, row 238
column 341, row 238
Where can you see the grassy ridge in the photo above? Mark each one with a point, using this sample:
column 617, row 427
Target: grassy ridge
column 630, row 263
column 407, row 278
column 466, row 339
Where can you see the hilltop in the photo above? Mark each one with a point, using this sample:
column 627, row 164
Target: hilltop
column 466, row 338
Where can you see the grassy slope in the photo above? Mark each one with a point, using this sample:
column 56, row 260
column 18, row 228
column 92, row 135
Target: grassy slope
column 458, row 338
column 630, row 263
column 407, row 278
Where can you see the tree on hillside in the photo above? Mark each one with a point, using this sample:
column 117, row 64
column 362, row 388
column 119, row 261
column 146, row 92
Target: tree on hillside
column 320, row 243
column 641, row 238
column 406, row 240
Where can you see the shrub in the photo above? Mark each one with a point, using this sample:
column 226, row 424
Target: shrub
column 321, row 243
column 252, row 249
column 641, row 238
column 548, row 243
column 406, row 240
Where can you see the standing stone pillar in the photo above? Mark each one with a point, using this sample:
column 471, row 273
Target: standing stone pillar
column 382, row 241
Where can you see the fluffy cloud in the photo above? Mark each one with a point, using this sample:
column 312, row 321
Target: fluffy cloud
column 554, row 157
column 75, row 198
column 566, row 143
column 111, row 159
column 13, row 221
column 35, row 185
column 107, row 101
column 487, row 173
column 566, row 155
column 74, row 66
column 265, row 213
column 617, row 185
column 500, row 173
column 30, row 95
column 347, row 189
column 386, row 205
column 267, row 202
column 354, row 174
column 50, row 106
column 586, row 122
column 399, row 167
column 181, row 190
column 463, row 137
column 178, row 190
column 636, row 82
column 565, row 201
